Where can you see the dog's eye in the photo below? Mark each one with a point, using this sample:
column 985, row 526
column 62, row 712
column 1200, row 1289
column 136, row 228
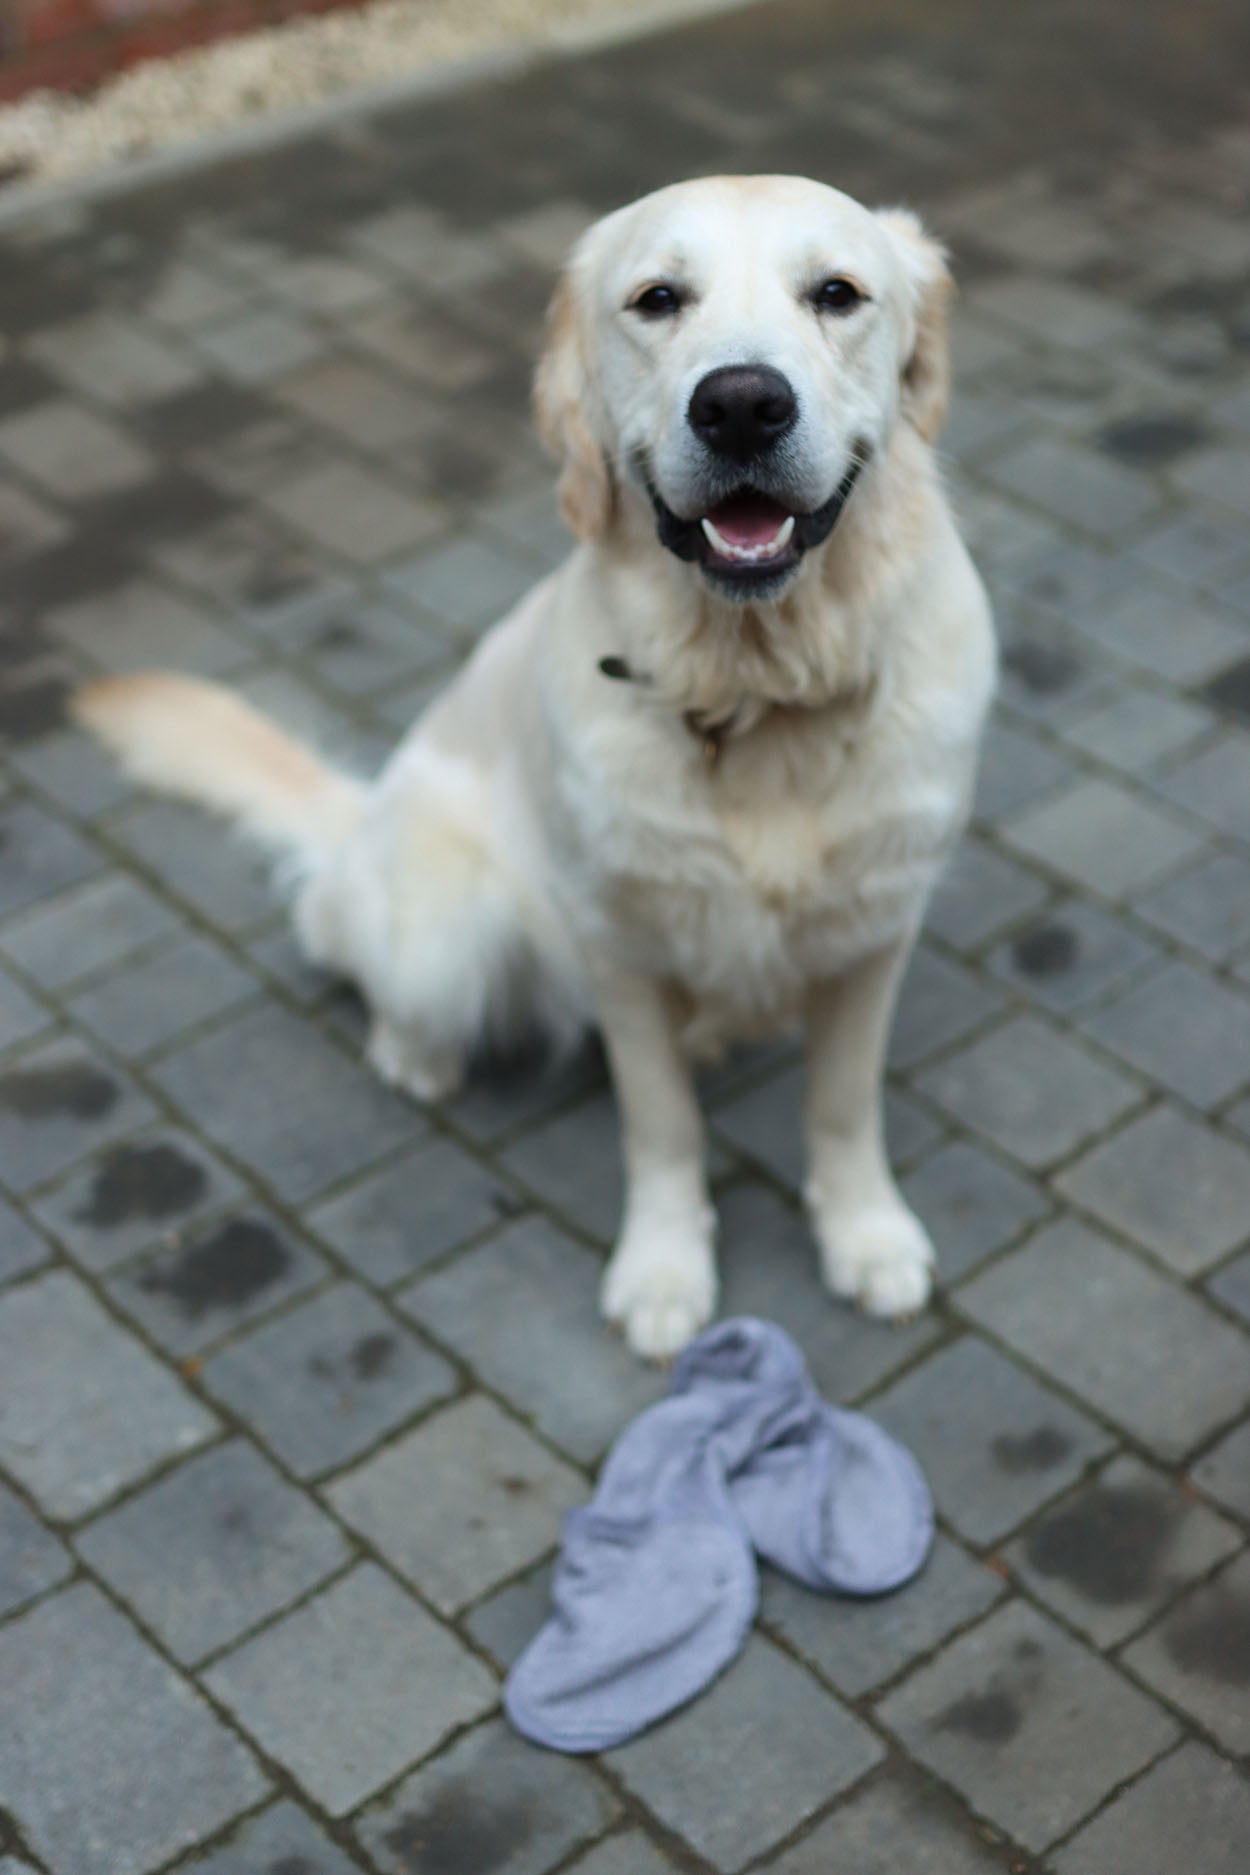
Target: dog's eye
column 657, row 301
column 837, row 296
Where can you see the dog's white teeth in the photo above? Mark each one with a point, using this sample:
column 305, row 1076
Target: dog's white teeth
column 761, row 550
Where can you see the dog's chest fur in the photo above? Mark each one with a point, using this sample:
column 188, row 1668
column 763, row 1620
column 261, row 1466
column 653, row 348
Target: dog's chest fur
column 804, row 847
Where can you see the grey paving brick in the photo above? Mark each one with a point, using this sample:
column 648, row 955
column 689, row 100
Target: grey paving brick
column 492, row 1805
column 113, row 358
column 391, row 1224
column 139, row 1193
column 1224, row 1471
column 981, row 893
column 470, row 581
column 769, row 1268
column 21, row 1248
column 1220, row 473
column 970, row 1204
column 324, row 1382
column 1193, row 1802
column 1109, row 1556
column 503, row 1097
column 1187, row 1031
column 58, row 942
column 1071, row 955
column 355, row 645
column 1015, row 768
column 103, row 1414
column 41, row 857
column 1072, row 483
column 212, row 1549
column 1030, row 1090
column 791, row 1746
column 1215, row 784
column 577, row 1382
column 939, row 1002
column 325, row 283
column 259, row 345
column 858, row 1644
column 59, row 1102
column 114, row 1767
column 629, row 1854
column 1140, row 1349
column 1054, row 310
column 1138, row 729
column 31, row 1559
column 1047, row 672
column 898, row 1823
column 1167, row 632
column 574, row 1163
column 356, row 402
column 333, row 1118
column 214, row 1278
column 72, row 453
column 283, row 1840
column 1199, row 543
column 1206, row 907
column 26, row 524
column 994, row 1442
column 354, row 512
column 430, row 346
column 246, row 562
column 186, row 853
column 1031, row 1728
column 766, row 1123
column 150, row 1003
column 1171, row 1183
column 21, row 1017
column 1104, row 838
column 143, row 623
column 186, row 294
column 462, row 1502
column 1196, row 1655
column 352, row 1688
column 77, row 774
column 506, row 1622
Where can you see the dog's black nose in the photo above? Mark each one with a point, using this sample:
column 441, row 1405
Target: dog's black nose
column 741, row 411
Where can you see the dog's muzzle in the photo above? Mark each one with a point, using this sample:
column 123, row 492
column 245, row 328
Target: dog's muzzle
column 750, row 542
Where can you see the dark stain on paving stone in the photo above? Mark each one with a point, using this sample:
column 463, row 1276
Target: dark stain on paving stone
column 515, row 1487
column 1031, row 1451
column 1043, row 669
column 371, row 1355
column 1046, row 951
column 1108, row 1545
column 457, row 1834
column 1231, row 690
column 291, row 1865
column 152, row 1182
column 991, row 1718
column 71, row 1091
column 225, row 1270
column 338, row 637
column 237, row 1520
column 1213, row 1639
column 1151, row 440
column 33, row 709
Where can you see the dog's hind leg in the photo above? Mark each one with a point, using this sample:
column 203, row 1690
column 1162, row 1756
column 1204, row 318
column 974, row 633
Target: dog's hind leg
column 404, row 1058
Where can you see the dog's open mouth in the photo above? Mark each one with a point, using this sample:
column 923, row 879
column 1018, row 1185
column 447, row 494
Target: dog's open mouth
column 750, row 542
column 749, row 530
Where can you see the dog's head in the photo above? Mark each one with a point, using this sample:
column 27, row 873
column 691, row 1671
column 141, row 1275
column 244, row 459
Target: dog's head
column 736, row 351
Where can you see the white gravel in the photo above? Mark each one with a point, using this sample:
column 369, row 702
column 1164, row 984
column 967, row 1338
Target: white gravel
column 49, row 135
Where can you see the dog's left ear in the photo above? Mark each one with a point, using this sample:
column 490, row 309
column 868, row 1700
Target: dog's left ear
column 568, row 421
column 927, row 372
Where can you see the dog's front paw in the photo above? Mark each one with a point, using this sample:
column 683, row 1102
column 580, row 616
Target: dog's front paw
column 879, row 1256
column 660, row 1287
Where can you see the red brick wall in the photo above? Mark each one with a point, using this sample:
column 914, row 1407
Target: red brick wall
column 71, row 45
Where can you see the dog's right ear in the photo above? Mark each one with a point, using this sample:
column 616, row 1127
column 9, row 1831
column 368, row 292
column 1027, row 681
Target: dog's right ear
column 568, row 421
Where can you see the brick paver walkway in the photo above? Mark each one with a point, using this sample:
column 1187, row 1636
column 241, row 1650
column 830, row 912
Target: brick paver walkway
column 296, row 1379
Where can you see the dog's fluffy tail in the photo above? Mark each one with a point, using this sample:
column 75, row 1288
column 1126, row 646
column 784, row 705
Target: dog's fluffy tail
column 200, row 742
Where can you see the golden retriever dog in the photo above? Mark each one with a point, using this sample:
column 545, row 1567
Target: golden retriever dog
column 698, row 784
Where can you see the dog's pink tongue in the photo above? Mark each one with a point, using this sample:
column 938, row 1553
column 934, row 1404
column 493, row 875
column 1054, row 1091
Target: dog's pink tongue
column 748, row 520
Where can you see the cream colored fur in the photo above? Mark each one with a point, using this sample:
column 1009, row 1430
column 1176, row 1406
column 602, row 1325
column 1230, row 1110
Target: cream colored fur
column 549, row 841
